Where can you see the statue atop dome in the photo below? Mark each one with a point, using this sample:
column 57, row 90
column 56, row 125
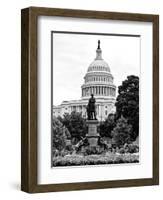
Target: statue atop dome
column 98, row 44
column 98, row 52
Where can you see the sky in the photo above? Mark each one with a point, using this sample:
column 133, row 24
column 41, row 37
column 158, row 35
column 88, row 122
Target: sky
column 73, row 53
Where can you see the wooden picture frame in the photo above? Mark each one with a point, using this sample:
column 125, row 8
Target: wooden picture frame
column 29, row 112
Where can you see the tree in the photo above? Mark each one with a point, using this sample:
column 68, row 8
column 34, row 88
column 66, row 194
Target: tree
column 107, row 126
column 122, row 132
column 76, row 125
column 127, row 103
column 59, row 135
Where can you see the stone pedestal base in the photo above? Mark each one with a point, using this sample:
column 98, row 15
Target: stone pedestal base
column 92, row 135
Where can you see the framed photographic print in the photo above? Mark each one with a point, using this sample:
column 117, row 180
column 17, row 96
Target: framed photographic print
column 90, row 99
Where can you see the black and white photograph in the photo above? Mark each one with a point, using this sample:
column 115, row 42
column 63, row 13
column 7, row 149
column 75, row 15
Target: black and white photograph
column 95, row 99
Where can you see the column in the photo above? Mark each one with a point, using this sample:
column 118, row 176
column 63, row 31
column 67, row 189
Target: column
column 94, row 90
column 97, row 110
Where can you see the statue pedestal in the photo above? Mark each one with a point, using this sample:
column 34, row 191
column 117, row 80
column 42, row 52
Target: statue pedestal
column 92, row 135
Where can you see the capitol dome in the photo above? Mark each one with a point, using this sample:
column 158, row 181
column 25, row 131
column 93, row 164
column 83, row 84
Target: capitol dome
column 98, row 79
column 99, row 65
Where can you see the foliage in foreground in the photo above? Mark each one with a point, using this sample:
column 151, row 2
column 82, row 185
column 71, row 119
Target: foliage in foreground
column 122, row 133
column 59, row 135
column 110, row 158
column 107, row 126
column 76, row 125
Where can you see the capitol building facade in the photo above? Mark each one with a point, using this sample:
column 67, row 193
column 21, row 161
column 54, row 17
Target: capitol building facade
column 98, row 81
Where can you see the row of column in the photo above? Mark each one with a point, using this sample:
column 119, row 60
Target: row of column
column 98, row 90
column 98, row 78
column 77, row 108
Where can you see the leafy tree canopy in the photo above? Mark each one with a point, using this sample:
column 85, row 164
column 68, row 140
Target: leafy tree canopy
column 107, row 126
column 127, row 103
column 76, row 124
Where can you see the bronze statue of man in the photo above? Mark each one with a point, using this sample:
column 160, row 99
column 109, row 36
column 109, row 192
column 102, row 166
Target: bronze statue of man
column 91, row 108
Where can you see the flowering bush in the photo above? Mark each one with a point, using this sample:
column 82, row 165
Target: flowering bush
column 108, row 158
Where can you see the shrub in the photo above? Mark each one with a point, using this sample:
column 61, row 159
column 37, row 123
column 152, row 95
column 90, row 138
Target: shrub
column 122, row 150
column 92, row 150
column 122, row 132
column 133, row 148
column 59, row 135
